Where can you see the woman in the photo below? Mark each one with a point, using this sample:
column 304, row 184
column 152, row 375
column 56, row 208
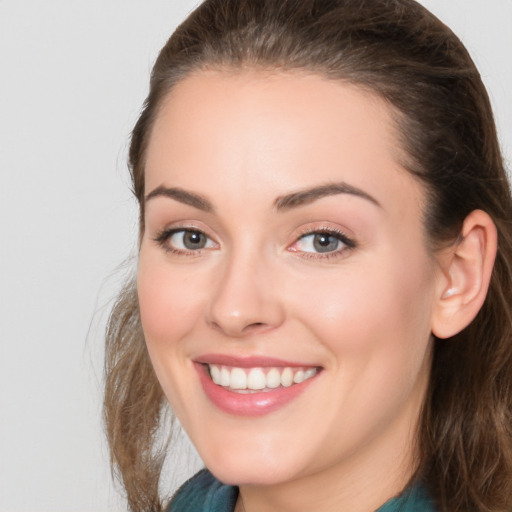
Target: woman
column 324, row 282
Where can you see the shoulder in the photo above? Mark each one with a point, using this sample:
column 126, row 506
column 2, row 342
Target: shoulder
column 204, row 493
column 414, row 499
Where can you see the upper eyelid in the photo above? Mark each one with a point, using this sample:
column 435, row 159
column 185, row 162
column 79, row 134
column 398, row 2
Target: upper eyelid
column 170, row 228
column 326, row 230
column 162, row 236
column 173, row 230
column 313, row 231
column 302, row 233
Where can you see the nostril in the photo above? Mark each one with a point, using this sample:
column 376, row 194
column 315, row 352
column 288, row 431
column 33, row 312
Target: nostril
column 256, row 326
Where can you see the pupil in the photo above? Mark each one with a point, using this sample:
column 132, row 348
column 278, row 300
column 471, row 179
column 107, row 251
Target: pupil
column 194, row 240
column 325, row 243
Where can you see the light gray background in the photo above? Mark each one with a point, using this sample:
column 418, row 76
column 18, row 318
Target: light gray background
column 73, row 75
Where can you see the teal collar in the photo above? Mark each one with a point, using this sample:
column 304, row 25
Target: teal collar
column 204, row 493
column 414, row 499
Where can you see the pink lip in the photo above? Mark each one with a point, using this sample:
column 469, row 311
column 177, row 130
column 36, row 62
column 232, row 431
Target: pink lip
column 249, row 404
column 248, row 362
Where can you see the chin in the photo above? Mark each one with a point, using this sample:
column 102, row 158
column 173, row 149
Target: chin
column 239, row 473
column 251, row 465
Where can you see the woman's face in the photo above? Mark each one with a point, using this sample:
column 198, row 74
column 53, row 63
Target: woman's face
column 284, row 282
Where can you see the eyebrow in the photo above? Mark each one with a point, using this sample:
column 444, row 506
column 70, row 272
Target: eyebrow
column 287, row 202
column 190, row 198
column 307, row 196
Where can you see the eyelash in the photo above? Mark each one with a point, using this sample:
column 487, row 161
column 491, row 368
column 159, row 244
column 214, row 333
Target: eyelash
column 348, row 243
column 162, row 239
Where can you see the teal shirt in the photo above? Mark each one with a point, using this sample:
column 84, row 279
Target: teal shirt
column 204, row 493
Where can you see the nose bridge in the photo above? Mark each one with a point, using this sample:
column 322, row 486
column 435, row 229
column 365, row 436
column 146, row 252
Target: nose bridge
column 244, row 299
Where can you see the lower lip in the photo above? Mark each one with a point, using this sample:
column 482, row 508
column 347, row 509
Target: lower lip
column 249, row 404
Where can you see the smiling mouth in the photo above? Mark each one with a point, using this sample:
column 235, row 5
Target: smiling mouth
column 258, row 380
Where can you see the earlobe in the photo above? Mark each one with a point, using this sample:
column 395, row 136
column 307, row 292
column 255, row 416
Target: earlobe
column 466, row 269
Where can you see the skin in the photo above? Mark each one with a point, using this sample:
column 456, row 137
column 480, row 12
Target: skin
column 364, row 313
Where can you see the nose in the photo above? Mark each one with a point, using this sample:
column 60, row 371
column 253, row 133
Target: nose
column 245, row 299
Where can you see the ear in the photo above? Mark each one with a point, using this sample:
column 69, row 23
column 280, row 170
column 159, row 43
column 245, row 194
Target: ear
column 466, row 269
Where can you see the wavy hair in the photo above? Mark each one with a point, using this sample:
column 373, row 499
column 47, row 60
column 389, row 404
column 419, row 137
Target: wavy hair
column 400, row 51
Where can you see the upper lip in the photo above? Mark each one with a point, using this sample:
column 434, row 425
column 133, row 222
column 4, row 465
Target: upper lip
column 249, row 361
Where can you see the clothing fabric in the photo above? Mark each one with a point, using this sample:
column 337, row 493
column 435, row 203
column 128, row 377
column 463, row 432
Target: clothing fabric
column 204, row 493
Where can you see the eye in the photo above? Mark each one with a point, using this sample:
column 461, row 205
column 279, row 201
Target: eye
column 319, row 242
column 323, row 243
column 184, row 240
column 188, row 240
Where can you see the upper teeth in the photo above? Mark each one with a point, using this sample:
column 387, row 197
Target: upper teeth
column 258, row 378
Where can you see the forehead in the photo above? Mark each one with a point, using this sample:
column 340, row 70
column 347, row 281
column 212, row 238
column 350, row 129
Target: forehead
column 272, row 132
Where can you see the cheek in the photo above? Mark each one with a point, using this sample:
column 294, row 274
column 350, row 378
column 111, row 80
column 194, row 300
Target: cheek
column 374, row 324
column 369, row 308
column 170, row 305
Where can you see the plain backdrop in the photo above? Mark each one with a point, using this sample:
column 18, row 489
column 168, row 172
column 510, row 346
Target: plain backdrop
column 73, row 75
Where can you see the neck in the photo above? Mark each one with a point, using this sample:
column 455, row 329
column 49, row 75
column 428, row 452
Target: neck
column 362, row 482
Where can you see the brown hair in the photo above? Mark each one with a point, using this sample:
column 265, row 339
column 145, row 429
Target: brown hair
column 399, row 50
